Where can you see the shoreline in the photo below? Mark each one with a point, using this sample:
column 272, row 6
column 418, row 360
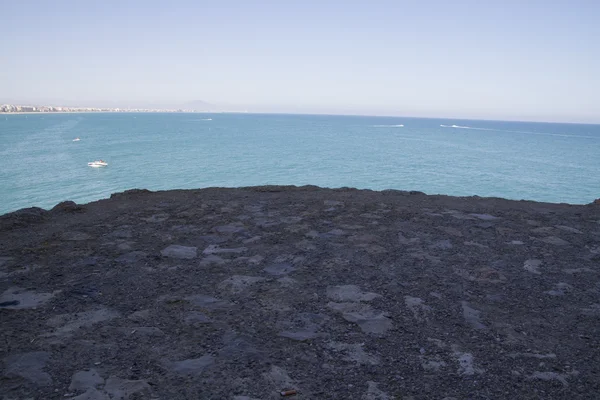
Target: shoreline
column 309, row 188
column 292, row 188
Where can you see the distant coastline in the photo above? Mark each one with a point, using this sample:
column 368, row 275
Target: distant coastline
column 73, row 110
column 53, row 109
column 106, row 112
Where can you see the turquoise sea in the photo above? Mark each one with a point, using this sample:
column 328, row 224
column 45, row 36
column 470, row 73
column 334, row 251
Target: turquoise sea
column 41, row 165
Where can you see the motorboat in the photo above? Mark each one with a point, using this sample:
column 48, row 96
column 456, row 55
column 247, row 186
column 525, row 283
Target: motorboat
column 76, row 139
column 98, row 163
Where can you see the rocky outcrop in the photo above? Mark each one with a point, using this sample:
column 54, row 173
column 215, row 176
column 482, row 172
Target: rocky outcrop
column 67, row 206
column 252, row 292
column 23, row 217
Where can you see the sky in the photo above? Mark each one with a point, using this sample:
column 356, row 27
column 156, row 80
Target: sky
column 504, row 59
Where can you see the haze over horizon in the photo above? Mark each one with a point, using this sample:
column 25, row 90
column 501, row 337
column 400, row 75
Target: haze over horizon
column 498, row 60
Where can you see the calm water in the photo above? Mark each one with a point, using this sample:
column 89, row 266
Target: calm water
column 40, row 165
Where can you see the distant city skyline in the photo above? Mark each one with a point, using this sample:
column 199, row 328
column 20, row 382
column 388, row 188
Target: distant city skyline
column 41, row 109
column 503, row 60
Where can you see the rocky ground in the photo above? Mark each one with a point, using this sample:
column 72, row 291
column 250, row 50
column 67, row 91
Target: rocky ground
column 335, row 294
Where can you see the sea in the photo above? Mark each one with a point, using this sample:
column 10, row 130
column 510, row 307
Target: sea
column 41, row 164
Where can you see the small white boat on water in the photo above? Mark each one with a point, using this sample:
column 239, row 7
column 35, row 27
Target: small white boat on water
column 76, row 139
column 98, row 164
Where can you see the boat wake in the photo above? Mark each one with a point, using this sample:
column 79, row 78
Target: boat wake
column 523, row 132
column 388, row 126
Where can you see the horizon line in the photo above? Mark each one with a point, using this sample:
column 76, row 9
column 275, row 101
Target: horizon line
column 176, row 111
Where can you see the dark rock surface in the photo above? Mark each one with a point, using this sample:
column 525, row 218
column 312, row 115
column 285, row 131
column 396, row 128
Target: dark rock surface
column 337, row 294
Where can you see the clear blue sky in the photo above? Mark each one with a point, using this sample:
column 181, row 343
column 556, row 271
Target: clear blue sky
column 504, row 59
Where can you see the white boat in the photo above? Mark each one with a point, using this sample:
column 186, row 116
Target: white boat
column 98, row 163
column 76, row 139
